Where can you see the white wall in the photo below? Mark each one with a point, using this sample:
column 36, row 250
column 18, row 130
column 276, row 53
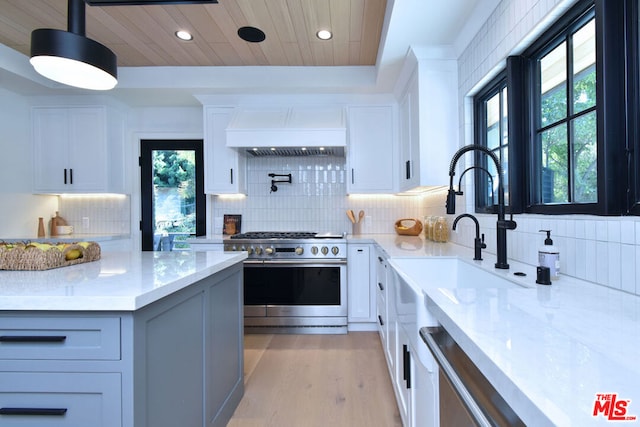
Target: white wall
column 604, row 250
column 155, row 123
column 19, row 209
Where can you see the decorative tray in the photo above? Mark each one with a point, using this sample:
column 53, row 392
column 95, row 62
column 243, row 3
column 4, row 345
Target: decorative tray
column 45, row 256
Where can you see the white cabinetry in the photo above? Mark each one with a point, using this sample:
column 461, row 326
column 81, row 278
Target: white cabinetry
column 371, row 149
column 414, row 380
column 77, row 150
column 225, row 169
column 428, row 122
column 361, row 297
column 382, row 299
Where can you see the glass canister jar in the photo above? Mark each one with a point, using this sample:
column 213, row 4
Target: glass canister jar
column 427, row 227
column 441, row 230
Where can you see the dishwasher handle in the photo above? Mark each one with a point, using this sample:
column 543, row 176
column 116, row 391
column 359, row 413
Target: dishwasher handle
column 427, row 336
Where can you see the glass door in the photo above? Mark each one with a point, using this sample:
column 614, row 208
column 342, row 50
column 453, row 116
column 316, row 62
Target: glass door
column 172, row 193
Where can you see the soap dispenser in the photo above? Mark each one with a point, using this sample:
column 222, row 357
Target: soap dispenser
column 549, row 256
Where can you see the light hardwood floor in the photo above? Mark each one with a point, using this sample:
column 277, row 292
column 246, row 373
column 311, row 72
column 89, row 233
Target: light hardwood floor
column 316, row 380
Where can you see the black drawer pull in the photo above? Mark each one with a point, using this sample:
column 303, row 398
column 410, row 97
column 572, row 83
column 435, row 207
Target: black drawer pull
column 33, row 338
column 381, row 286
column 380, row 320
column 33, row 411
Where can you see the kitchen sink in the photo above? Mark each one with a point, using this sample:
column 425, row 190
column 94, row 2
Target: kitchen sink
column 430, row 273
column 413, row 276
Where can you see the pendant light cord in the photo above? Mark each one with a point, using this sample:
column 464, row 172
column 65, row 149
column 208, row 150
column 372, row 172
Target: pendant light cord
column 76, row 17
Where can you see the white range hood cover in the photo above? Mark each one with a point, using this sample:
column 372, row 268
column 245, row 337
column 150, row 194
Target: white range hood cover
column 295, row 129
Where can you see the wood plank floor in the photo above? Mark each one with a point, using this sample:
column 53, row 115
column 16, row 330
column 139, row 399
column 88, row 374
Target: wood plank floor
column 316, row 380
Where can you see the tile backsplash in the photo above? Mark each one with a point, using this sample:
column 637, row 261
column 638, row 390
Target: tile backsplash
column 316, row 200
column 106, row 214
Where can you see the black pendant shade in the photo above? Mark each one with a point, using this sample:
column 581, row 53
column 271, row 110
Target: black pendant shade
column 71, row 58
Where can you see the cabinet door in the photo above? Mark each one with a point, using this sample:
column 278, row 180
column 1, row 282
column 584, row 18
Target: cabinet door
column 70, row 150
column 382, row 303
column 410, row 138
column 224, row 168
column 87, row 149
column 403, row 375
column 359, row 294
column 50, row 132
column 424, row 395
column 371, row 150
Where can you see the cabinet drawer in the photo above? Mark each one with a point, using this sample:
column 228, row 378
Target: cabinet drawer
column 58, row 338
column 61, row 399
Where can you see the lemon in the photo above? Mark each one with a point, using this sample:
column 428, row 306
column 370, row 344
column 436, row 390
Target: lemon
column 73, row 254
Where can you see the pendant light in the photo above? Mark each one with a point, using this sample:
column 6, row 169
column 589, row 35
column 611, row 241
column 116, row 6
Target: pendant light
column 69, row 57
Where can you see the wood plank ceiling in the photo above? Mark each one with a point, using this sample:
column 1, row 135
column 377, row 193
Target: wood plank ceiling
column 144, row 35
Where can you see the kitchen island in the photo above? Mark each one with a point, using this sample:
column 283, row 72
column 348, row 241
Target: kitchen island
column 134, row 339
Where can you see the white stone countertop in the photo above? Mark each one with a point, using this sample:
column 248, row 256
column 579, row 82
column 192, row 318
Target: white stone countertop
column 548, row 350
column 119, row 281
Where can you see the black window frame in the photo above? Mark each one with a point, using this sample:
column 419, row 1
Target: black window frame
column 617, row 112
column 481, row 179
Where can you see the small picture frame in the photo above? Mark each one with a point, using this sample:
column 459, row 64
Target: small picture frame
column 232, row 224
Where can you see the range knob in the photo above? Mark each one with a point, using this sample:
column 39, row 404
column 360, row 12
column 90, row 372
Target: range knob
column 250, row 250
column 299, row 250
column 335, row 250
column 243, row 248
column 269, row 251
column 324, row 250
column 258, row 250
column 314, row 250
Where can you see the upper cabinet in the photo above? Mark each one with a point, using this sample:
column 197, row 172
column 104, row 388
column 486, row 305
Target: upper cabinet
column 78, row 150
column 225, row 169
column 428, row 121
column 370, row 158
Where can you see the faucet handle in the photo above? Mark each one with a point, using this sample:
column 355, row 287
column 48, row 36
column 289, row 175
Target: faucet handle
column 483, row 245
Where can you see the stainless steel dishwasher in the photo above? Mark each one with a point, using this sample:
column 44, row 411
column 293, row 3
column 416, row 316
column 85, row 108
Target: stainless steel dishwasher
column 466, row 396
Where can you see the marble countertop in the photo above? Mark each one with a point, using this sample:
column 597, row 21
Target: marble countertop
column 548, row 350
column 119, row 281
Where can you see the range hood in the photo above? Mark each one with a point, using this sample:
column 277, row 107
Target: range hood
column 288, row 131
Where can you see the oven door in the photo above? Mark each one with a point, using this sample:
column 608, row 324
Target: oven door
column 285, row 288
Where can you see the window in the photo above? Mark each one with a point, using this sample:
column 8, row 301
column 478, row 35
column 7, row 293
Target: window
column 565, row 150
column 571, row 115
column 492, row 132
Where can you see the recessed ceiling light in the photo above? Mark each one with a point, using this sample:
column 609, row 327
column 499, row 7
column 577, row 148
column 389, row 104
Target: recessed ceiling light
column 324, row 34
column 184, row 35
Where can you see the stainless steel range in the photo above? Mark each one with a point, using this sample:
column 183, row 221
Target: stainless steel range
column 294, row 282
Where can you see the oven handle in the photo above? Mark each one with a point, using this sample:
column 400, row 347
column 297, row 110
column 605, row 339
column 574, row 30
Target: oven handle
column 255, row 262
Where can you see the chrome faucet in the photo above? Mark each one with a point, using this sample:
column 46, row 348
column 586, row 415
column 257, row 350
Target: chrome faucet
column 478, row 243
column 502, row 225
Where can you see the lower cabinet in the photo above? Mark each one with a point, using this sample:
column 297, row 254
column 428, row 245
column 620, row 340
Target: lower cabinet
column 415, row 383
column 60, row 399
column 361, row 296
column 176, row 362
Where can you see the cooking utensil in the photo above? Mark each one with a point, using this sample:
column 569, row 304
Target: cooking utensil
column 351, row 216
column 360, row 215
